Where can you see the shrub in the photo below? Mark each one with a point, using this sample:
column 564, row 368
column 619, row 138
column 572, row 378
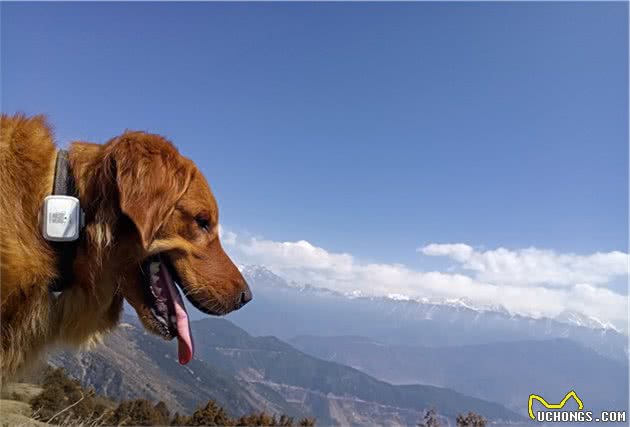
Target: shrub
column 264, row 419
column 210, row 415
column 471, row 420
column 139, row 412
column 430, row 419
column 180, row 420
column 63, row 399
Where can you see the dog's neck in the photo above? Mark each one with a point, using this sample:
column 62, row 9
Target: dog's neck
column 97, row 190
column 98, row 260
column 86, row 161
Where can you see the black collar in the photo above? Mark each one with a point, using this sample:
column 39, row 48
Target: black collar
column 64, row 185
column 64, row 179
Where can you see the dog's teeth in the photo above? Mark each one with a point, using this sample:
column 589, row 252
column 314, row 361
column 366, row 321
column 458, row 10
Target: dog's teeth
column 154, row 268
column 159, row 318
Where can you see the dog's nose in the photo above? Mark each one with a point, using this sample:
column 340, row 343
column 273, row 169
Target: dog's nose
column 246, row 296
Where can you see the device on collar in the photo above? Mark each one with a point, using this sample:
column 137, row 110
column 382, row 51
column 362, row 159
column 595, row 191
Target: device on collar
column 62, row 217
column 62, row 220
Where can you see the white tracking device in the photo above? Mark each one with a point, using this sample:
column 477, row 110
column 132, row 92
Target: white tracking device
column 62, row 218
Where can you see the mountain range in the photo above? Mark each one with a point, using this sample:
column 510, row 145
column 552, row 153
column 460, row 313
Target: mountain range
column 245, row 374
column 349, row 359
column 504, row 372
column 287, row 310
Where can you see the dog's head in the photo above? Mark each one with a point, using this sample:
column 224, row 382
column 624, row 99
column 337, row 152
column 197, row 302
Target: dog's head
column 173, row 227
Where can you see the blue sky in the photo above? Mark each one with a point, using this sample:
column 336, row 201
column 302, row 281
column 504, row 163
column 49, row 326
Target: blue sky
column 372, row 129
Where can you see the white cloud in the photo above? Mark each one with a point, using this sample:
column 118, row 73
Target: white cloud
column 525, row 267
column 529, row 282
column 227, row 237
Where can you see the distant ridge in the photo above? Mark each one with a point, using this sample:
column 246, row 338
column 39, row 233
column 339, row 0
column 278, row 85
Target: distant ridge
column 505, row 372
column 260, row 273
column 291, row 309
column 245, row 374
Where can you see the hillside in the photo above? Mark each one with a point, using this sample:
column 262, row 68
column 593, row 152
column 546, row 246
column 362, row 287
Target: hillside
column 245, row 374
column 14, row 407
column 134, row 364
column 504, row 372
column 57, row 399
column 316, row 383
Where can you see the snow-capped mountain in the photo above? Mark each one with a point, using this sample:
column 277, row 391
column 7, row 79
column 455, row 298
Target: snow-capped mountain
column 287, row 309
column 264, row 276
column 580, row 319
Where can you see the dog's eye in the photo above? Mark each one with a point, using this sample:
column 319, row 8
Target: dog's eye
column 203, row 222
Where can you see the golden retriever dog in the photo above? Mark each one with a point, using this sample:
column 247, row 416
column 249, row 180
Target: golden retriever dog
column 151, row 226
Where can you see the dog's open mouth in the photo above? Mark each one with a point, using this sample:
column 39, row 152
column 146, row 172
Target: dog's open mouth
column 167, row 305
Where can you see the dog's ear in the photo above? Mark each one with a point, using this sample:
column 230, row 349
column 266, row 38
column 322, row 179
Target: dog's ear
column 151, row 177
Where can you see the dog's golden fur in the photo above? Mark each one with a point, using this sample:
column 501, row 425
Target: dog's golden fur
column 140, row 197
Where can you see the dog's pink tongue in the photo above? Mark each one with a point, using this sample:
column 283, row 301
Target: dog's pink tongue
column 184, row 335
